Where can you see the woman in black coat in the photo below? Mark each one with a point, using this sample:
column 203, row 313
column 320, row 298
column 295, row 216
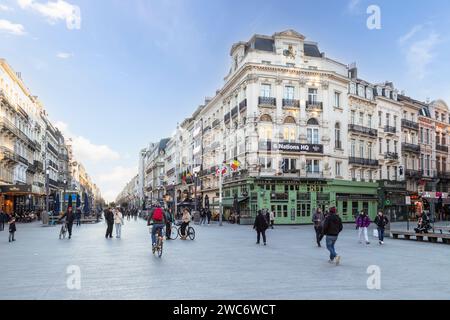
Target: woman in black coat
column 260, row 226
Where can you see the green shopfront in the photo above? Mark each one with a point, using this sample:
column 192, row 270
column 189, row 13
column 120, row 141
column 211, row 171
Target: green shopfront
column 294, row 200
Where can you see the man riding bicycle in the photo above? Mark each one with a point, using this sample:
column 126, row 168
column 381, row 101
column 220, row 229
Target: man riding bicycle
column 159, row 220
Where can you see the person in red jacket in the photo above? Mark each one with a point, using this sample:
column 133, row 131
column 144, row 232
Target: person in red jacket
column 159, row 220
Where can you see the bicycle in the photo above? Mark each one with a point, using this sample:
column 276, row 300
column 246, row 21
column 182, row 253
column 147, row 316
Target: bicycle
column 173, row 231
column 190, row 232
column 159, row 243
column 63, row 232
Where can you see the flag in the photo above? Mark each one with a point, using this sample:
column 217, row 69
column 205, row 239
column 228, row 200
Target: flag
column 235, row 165
column 183, row 177
column 221, row 170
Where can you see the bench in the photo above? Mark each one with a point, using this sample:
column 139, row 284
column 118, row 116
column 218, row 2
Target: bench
column 431, row 237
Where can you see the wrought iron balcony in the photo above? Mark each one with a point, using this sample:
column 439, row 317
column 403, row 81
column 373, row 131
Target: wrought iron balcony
column 413, row 173
column 314, row 106
column 291, row 103
column 391, row 156
column 267, row 101
column 441, row 148
column 410, row 124
column 363, row 130
column 363, row 161
column 390, row 129
column 39, row 165
column 215, row 123
column 8, row 155
column 227, row 117
column 409, row 147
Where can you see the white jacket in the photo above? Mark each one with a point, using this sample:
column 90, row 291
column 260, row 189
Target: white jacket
column 117, row 217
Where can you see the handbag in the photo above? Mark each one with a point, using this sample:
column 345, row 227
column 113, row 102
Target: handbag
column 375, row 233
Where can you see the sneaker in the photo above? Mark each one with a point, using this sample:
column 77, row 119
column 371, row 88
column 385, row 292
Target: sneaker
column 367, row 242
column 257, row 243
column 338, row 260
column 382, row 242
column 331, row 261
column 265, row 243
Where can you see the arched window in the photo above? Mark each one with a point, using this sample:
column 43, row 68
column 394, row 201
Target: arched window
column 290, row 129
column 337, row 136
column 289, row 120
column 313, row 131
column 313, row 122
column 265, row 118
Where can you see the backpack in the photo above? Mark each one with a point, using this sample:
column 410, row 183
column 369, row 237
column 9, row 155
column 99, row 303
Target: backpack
column 158, row 214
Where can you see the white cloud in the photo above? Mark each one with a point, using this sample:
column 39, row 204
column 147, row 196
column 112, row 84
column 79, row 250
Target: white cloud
column 55, row 11
column 11, row 28
column 64, row 55
column 4, row 7
column 419, row 47
column 84, row 149
column 112, row 182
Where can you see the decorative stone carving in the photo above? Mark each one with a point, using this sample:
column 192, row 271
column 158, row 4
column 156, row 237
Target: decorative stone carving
column 325, row 84
column 302, row 81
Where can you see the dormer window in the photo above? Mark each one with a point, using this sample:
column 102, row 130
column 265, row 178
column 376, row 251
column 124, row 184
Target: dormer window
column 352, row 88
column 394, row 95
column 369, row 93
column 379, row 91
column 361, row 91
column 387, row 93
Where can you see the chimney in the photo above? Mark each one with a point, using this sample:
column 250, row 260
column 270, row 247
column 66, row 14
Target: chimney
column 353, row 71
column 19, row 75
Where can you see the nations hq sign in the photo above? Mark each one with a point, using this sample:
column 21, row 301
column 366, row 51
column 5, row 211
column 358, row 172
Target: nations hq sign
column 291, row 147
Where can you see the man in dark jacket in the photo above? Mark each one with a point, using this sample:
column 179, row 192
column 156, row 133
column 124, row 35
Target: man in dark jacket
column 2, row 220
column 331, row 228
column 169, row 220
column 109, row 217
column 317, row 219
column 70, row 217
column 260, row 226
column 381, row 221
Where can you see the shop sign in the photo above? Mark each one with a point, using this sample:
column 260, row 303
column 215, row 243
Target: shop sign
column 394, row 184
column 291, row 147
column 16, row 189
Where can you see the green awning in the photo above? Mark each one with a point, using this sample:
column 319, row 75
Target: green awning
column 228, row 202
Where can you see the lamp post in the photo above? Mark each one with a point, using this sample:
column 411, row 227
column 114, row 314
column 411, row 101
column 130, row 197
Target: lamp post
column 195, row 192
column 64, row 194
column 47, row 190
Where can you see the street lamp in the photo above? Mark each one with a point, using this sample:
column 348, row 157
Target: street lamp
column 64, row 193
column 47, row 191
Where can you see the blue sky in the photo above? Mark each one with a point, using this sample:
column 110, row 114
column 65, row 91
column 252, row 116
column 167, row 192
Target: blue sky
column 118, row 74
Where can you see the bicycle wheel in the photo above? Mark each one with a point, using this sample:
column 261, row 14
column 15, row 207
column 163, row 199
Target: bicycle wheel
column 191, row 233
column 160, row 247
column 174, row 233
column 179, row 232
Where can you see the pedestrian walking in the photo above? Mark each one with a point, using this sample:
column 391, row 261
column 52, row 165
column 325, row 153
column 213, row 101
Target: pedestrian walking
column 362, row 223
column 272, row 218
column 208, row 215
column 78, row 216
column 381, row 221
column 118, row 221
column 203, row 216
column 317, row 220
column 260, row 226
column 267, row 216
column 169, row 220
column 70, row 218
column 12, row 228
column 109, row 217
column 3, row 218
column 332, row 226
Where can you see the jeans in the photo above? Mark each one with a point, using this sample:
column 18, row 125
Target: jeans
column 381, row 234
column 11, row 236
column 258, row 236
column 168, row 229
column 118, row 230
column 69, row 228
column 319, row 236
column 2, row 225
column 109, row 230
column 361, row 231
column 331, row 240
column 155, row 229
column 79, row 221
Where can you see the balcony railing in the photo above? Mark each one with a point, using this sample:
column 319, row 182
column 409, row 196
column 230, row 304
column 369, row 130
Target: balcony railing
column 8, row 154
column 362, row 130
column 413, row 173
column 267, row 101
column 410, row 147
column 442, row 148
column 391, row 156
column 314, row 105
column 291, row 103
column 442, row 174
column 410, row 124
column 363, row 161
column 39, row 165
column 215, row 123
column 227, row 117
column 390, row 129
